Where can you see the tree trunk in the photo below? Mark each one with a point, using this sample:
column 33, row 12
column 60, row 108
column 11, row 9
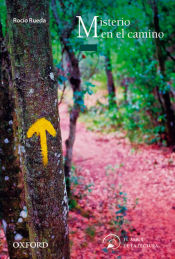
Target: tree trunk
column 110, row 81
column 75, row 83
column 11, row 180
column 170, row 117
column 36, row 98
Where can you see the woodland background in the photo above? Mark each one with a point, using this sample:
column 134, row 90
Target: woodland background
column 117, row 119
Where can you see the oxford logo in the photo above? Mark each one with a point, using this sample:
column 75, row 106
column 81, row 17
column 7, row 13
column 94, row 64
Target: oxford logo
column 30, row 244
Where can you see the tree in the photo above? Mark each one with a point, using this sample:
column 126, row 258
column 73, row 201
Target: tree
column 74, row 77
column 36, row 103
column 147, row 66
column 11, row 181
column 165, row 95
column 110, row 80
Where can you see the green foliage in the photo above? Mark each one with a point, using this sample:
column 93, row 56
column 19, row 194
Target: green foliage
column 72, row 204
column 121, row 222
column 99, row 118
column 79, row 95
column 90, row 231
column 128, row 117
column 75, row 181
column 135, row 65
column 3, row 15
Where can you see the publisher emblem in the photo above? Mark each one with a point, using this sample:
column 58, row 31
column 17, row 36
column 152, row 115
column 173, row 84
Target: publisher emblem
column 112, row 241
column 30, row 244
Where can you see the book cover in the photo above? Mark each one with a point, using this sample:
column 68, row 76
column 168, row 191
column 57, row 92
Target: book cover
column 87, row 128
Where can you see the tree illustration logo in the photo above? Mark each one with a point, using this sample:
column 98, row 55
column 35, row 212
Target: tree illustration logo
column 112, row 241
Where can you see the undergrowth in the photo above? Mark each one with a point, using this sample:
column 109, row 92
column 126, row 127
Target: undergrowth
column 78, row 193
column 126, row 119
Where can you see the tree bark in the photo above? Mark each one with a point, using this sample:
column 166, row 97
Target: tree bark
column 11, row 180
column 170, row 117
column 35, row 98
column 110, row 81
column 75, row 82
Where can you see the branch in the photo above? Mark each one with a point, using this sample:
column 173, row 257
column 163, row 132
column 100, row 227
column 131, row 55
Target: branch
column 53, row 5
column 169, row 54
column 69, row 29
column 62, row 94
column 64, row 88
column 94, row 69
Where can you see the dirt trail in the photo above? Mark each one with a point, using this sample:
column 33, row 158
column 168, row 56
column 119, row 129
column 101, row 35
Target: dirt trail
column 146, row 174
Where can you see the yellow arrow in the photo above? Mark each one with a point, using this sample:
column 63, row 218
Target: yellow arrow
column 40, row 127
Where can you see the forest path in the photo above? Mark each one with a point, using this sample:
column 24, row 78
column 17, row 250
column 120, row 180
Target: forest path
column 146, row 174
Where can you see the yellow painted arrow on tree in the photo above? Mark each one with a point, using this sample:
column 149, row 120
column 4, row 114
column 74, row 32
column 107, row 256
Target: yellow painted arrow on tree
column 40, row 127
